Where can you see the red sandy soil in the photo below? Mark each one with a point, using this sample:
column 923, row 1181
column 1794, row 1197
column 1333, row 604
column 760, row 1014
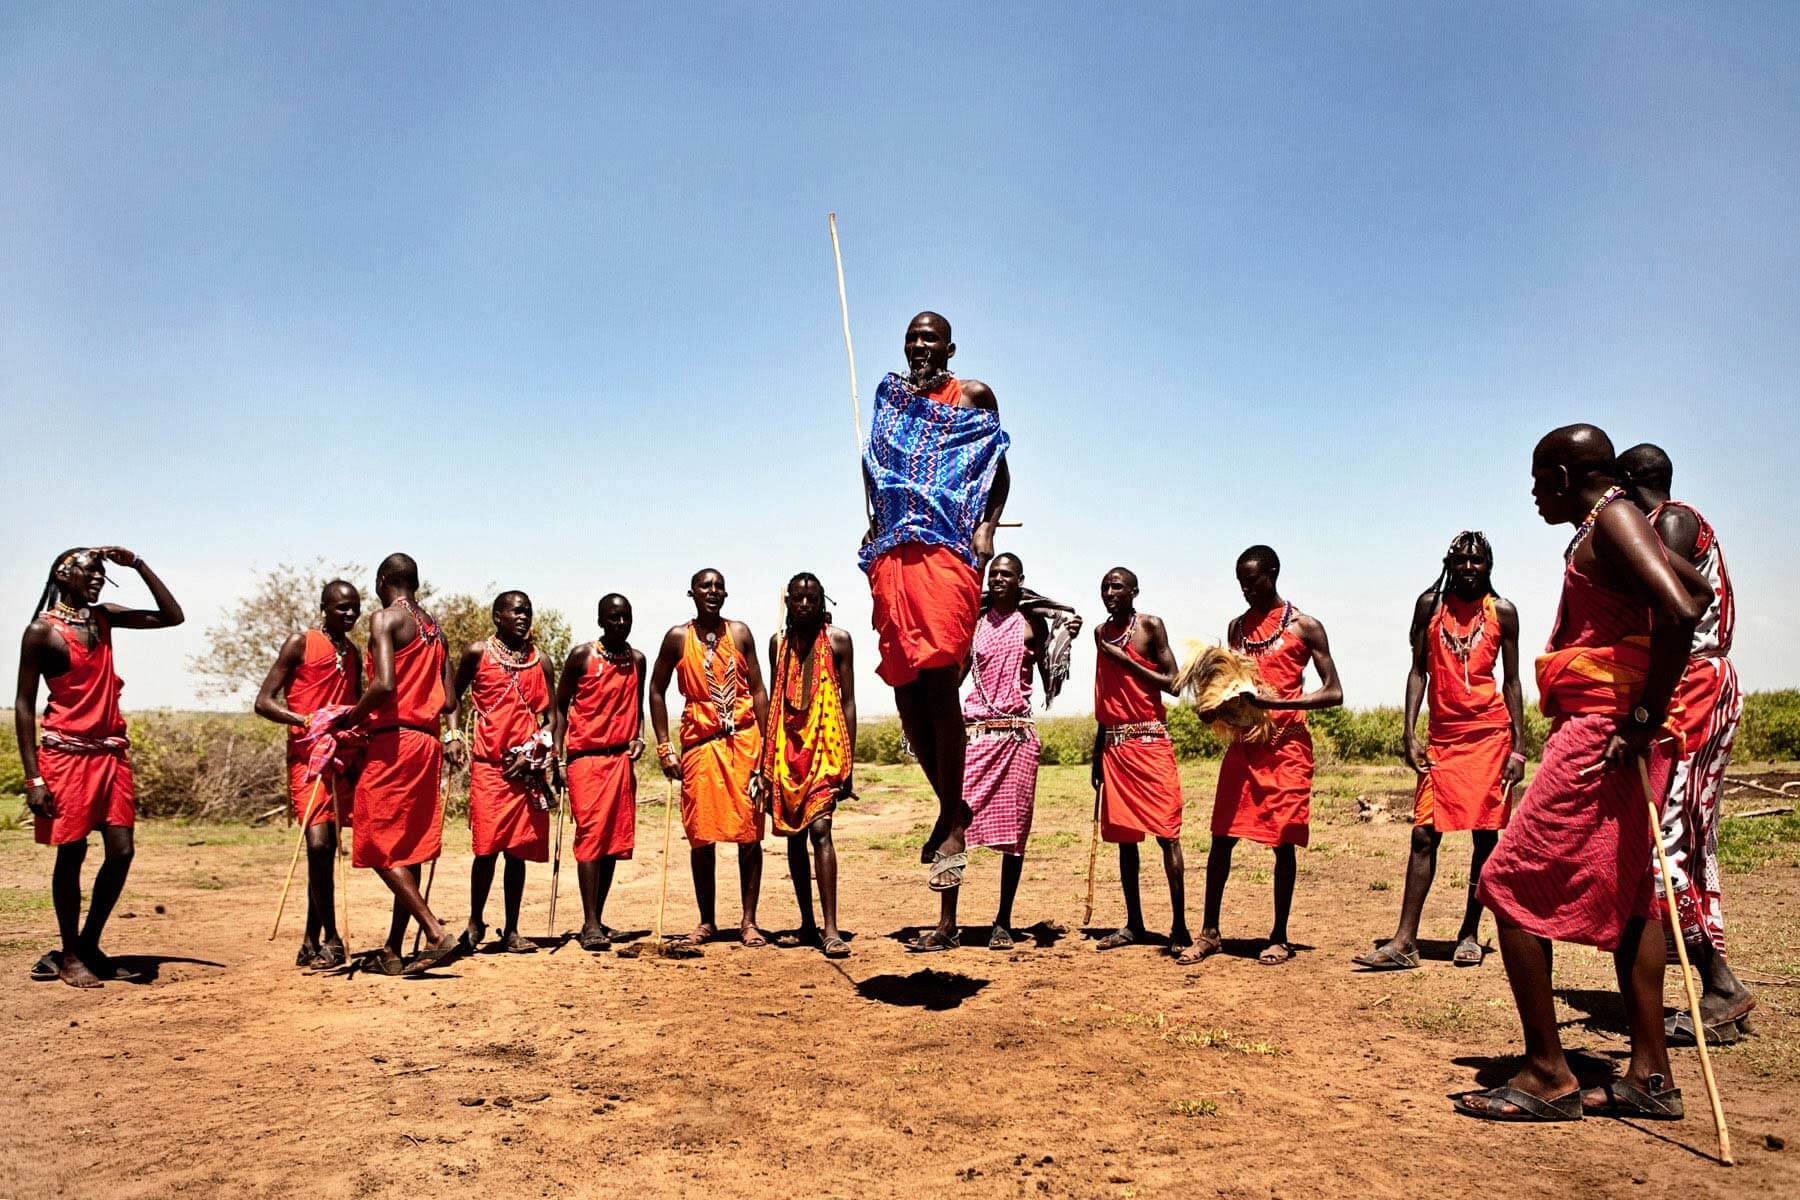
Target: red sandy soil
column 1047, row 1071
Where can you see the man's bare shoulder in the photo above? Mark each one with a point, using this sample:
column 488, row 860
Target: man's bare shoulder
column 977, row 394
column 840, row 638
column 1506, row 610
column 1309, row 627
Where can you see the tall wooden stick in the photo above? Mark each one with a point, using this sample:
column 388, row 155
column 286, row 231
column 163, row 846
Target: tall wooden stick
column 837, row 256
column 430, row 878
column 662, row 887
column 556, row 864
column 299, row 844
column 1687, row 979
column 1087, row 914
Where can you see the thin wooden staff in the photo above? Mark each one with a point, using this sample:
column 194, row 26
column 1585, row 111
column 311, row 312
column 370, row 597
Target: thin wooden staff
column 662, row 886
column 430, row 878
column 837, row 256
column 1087, row 915
column 556, row 860
column 1687, row 979
column 299, row 844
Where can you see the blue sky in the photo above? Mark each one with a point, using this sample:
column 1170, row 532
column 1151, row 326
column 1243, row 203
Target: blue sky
column 546, row 297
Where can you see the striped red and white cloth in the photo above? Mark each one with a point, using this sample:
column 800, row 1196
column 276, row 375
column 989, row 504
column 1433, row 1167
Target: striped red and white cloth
column 1710, row 709
column 1001, row 763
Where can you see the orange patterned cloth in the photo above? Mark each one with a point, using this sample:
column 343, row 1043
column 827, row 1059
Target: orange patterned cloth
column 807, row 755
column 720, row 745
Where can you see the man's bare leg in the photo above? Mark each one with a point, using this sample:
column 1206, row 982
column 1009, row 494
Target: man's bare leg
column 1218, row 872
column 931, row 715
column 1012, row 869
column 1133, row 929
column 321, row 899
column 1175, row 867
column 1287, row 870
column 1725, row 995
column 1545, row 1073
column 595, row 879
column 65, row 893
column 1485, row 841
column 481, row 882
column 408, row 903
column 512, row 894
column 800, row 871
column 825, row 854
column 1421, row 869
column 750, row 865
column 701, row 860
column 1638, row 964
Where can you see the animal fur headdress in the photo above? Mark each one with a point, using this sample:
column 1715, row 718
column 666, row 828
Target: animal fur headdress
column 1219, row 682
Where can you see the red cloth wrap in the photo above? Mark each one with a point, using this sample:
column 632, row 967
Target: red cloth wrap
column 89, row 789
column 926, row 599
column 603, row 801
column 1142, row 791
column 1265, row 789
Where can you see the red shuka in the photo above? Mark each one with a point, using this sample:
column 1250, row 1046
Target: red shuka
column 399, row 808
column 1142, row 785
column 507, row 702
column 1471, row 731
column 1265, row 788
column 320, row 680
column 90, row 787
column 604, row 719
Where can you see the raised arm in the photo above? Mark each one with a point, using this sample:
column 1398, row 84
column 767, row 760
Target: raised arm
column 1511, row 691
column 667, row 655
column 280, row 673
column 1415, row 754
column 166, row 615
column 1329, row 693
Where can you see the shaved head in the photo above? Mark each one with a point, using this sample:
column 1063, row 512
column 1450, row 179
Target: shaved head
column 1263, row 556
column 1125, row 573
column 930, row 318
column 399, row 570
column 1646, row 465
column 1583, row 449
column 337, row 589
column 703, row 572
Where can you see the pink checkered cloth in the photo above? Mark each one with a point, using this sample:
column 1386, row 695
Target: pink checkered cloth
column 1000, row 766
column 330, row 751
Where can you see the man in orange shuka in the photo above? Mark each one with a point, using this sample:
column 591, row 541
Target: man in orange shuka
column 713, row 660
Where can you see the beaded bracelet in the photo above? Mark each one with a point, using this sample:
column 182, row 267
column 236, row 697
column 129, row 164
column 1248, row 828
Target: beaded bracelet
column 1515, row 756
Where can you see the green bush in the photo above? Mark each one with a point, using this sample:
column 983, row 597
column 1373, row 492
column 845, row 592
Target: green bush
column 880, row 741
column 1771, row 728
column 1193, row 737
column 1067, row 741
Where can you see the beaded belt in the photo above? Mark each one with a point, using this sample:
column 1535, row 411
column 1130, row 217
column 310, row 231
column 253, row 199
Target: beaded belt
column 78, row 743
column 1020, row 728
column 593, row 751
column 1135, row 731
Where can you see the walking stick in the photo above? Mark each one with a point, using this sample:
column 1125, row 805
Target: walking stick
column 430, row 877
column 1087, row 916
column 556, row 860
column 662, row 886
column 1687, row 979
column 837, row 256
column 299, row 842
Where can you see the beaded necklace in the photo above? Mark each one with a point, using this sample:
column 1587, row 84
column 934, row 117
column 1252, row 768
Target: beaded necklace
column 1462, row 646
column 1125, row 636
column 68, row 612
column 926, row 384
column 428, row 628
column 340, row 652
column 1587, row 523
column 1256, row 647
column 510, row 659
column 619, row 660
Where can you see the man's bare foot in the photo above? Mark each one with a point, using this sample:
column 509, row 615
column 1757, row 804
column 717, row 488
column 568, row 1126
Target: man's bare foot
column 595, row 937
column 834, row 945
column 1716, row 1008
column 703, row 933
column 948, row 834
column 1274, row 954
column 1119, row 938
column 309, row 950
column 474, row 934
column 517, row 943
column 75, row 973
column 749, row 935
column 1549, row 1089
column 441, row 947
column 806, row 935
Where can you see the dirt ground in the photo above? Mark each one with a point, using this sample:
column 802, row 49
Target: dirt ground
column 1046, row 1071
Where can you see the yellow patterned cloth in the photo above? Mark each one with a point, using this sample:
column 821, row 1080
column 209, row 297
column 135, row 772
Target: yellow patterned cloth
column 807, row 754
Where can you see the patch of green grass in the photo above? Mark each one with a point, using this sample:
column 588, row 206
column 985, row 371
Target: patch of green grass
column 209, row 883
column 1195, row 1108
column 899, row 843
column 1378, row 885
column 1748, row 844
column 1451, row 1017
column 1177, row 1032
column 21, row 900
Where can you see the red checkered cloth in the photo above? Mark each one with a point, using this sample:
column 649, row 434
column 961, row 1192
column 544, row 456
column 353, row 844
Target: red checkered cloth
column 334, row 751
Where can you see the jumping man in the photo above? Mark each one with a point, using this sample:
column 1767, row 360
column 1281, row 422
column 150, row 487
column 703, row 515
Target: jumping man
column 78, row 776
column 601, row 698
column 1461, row 630
column 509, row 686
column 398, row 813
column 936, row 476
column 808, row 750
column 1574, row 862
column 1265, row 788
column 713, row 661
column 1707, row 721
column 317, row 669
column 1134, row 760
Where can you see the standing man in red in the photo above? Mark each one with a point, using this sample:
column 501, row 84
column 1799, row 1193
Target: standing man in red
column 936, row 477
column 509, row 685
column 1134, row 760
column 399, row 806
column 1707, row 716
column 78, row 776
column 1265, row 788
column 1574, row 862
column 1461, row 631
column 601, row 697
column 317, row 669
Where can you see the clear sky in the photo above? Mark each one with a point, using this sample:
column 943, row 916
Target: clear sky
column 545, row 296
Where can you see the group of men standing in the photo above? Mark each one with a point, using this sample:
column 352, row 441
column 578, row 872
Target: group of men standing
column 1637, row 671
